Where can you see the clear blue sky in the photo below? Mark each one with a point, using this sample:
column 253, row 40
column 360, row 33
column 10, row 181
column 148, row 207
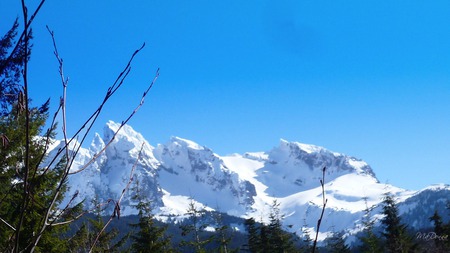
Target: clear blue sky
column 369, row 79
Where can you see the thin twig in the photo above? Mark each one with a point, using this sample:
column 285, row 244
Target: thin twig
column 116, row 211
column 26, row 191
column 91, row 120
column 111, row 90
column 7, row 224
column 120, row 127
column 319, row 221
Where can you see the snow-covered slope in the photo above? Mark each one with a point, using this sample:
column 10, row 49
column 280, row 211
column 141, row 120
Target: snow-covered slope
column 172, row 175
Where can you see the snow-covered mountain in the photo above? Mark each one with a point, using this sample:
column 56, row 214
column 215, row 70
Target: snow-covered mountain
column 171, row 175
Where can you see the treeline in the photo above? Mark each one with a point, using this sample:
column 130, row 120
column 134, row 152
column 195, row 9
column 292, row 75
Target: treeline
column 34, row 219
column 204, row 231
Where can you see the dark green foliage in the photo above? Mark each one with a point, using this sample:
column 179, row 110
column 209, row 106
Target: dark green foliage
column 307, row 242
column 85, row 237
column 269, row 238
column 395, row 233
column 223, row 234
column 279, row 239
column 28, row 191
column 11, row 65
column 193, row 228
column 370, row 242
column 336, row 244
column 253, row 235
column 438, row 239
column 149, row 237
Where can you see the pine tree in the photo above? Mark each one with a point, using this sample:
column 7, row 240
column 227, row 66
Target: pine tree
column 440, row 244
column 222, row 234
column 193, row 227
column 336, row 243
column 10, row 69
column 264, row 235
column 279, row 240
column 307, row 242
column 31, row 218
column 87, row 234
column 27, row 190
column 370, row 243
column 149, row 237
column 395, row 233
column 252, row 235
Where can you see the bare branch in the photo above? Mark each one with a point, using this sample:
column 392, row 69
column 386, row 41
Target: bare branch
column 319, row 221
column 91, row 120
column 89, row 123
column 7, row 224
column 120, row 127
column 116, row 211
column 25, row 199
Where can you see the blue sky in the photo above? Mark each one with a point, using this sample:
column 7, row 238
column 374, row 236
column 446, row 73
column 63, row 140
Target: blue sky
column 369, row 79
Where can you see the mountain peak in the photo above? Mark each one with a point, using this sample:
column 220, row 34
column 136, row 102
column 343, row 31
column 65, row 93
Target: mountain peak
column 241, row 185
column 186, row 143
column 126, row 133
column 308, row 148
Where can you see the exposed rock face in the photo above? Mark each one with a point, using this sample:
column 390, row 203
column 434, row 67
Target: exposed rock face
column 171, row 175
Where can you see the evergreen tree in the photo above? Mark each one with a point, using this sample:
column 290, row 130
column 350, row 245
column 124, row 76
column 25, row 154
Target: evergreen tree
column 223, row 234
column 28, row 192
column 269, row 238
column 307, row 242
column 279, row 240
column 10, row 69
column 440, row 244
column 370, row 243
column 264, row 244
column 336, row 244
column 193, row 227
column 86, row 235
column 395, row 233
column 149, row 237
column 253, row 235
column 31, row 218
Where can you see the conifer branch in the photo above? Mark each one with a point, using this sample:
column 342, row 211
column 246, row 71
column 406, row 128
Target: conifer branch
column 23, row 35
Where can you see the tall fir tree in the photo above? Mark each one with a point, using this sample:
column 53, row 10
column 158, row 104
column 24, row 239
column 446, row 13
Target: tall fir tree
column 395, row 233
column 223, row 234
column 253, row 243
column 149, row 237
column 264, row 235
column 29, row 216
column 370, row 242
column 11, row 66
column 269, row 238
column 336, row 243
column 279, row 240
column 89, row 237
column 192, row 229
column 440, row 241
column 307, row 241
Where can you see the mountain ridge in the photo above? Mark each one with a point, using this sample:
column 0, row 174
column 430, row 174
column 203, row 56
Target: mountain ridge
column 244, row 185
